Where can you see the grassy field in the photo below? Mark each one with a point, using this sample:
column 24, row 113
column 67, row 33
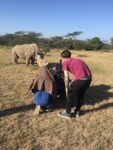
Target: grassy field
column 20, row 129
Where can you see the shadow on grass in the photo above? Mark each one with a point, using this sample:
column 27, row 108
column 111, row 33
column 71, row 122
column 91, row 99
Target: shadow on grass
column 21, row 63
column 14, row 110
column 97, row 93
column 94, row 94
column 104, row 106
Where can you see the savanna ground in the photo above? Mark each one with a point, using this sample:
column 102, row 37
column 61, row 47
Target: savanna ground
column 20, row 129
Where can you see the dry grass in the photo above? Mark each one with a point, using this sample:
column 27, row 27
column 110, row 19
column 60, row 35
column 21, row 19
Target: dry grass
column 19, row 129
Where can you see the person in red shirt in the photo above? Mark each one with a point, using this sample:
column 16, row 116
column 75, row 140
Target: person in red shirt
column 81, row 81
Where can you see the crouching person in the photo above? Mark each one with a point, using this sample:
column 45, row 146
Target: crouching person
column 43, row 88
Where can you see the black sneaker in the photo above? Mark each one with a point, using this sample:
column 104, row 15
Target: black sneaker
column 64, row 115
column 49, row 108
column 77, row 115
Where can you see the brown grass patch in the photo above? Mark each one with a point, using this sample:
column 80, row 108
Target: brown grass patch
column 19, row 129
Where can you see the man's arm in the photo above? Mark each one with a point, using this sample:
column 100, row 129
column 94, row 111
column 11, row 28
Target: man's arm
column 66, row 81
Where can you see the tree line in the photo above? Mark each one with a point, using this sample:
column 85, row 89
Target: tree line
column 68, row 41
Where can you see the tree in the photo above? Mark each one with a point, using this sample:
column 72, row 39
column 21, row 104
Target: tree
column 57, row 41
column 72, row 36
column 95, row 43
column 20, row 33
column 112, row 43
column 34, row 34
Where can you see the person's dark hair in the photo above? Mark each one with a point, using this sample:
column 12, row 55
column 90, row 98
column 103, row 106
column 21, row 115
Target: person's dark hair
column 66, row 54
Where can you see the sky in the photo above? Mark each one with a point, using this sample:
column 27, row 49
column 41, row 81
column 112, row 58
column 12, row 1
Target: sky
column 58, row 17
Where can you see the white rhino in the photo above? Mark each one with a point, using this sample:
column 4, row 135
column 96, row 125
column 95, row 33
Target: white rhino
column 25, row 51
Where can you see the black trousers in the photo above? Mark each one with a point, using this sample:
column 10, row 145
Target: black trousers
column 76, row 94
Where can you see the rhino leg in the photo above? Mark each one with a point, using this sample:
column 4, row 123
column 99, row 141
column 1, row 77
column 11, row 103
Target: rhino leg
column 15, row 58
column 27, row 61
column 41, row 55
column 32, row 60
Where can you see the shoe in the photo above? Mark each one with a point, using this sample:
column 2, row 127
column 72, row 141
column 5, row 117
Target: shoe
column 77, row 114
column 49, row 108
column 64, row 115
column 37, row 110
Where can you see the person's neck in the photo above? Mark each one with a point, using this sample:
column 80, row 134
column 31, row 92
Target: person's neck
column 65, row 59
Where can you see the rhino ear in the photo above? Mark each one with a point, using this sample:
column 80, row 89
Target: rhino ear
column 46, row 50
column 41, row 55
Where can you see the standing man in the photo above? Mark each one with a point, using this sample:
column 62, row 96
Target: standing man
column 81, row 81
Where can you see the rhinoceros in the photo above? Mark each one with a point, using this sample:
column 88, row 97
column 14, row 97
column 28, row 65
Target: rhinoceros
column 27, row 52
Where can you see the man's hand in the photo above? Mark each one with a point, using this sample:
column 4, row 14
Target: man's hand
column 70, row 82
